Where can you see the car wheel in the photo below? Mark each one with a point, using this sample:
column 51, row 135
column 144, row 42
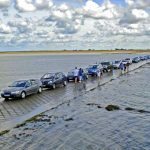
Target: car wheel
column 65, row 83
column 23, row 95
column 40, row 90
column 6, row 99
column 54, row 86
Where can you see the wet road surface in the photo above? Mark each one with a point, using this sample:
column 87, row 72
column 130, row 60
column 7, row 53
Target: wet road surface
column 81, row 125
column 13, row 110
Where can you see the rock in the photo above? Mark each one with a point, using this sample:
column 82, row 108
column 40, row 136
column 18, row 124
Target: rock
column 69, row 119
column 140, row 111
column 129, row 109
column 99, row 106
column 143, row 111
column 20, row 125
column 93, row 104
column 112, row 107
column 4, row 132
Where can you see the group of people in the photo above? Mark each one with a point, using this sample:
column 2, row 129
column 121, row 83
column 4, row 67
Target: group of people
column 78, row 74
column 124, row 67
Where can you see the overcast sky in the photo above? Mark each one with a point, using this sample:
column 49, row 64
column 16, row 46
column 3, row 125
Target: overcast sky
column 74, row 24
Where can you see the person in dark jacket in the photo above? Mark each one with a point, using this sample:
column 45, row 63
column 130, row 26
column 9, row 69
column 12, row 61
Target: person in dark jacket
column 121, row 67
column 80, row 74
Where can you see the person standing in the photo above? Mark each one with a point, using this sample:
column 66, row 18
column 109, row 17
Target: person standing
column 128, row 64
column 76, row 74
column 121, row 66
column 125, row 67
column 80, row 74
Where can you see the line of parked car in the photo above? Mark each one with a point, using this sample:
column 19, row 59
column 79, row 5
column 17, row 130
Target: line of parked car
column 23, row 88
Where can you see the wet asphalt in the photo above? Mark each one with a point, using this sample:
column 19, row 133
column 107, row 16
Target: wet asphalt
column 13, row 112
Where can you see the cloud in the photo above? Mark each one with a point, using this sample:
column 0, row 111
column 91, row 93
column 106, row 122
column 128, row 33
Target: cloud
column 4, row 3
column 25, row 5
column 22, row 26
column 66, row 20
column 107, row 10
column 4, row 29
column 43, row 4
column 48, row 24
column 33, row 5
column 134, row 16
column 138, row 3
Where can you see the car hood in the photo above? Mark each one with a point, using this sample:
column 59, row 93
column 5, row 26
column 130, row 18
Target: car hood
column 117, row 64
column 13, row 89
column 70, row 75
column 91, row 69
column 43, row 80
column 105, row 66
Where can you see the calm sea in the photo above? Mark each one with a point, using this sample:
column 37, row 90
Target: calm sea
column 24, row 67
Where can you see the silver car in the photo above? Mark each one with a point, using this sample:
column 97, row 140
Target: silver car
column 22, row 88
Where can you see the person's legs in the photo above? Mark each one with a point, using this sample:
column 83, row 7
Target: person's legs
column 80, row 78
column 76, row 79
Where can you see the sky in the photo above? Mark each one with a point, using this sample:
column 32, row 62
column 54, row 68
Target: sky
column 74, row 24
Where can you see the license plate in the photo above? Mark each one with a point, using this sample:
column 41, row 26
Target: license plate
column 7, row 95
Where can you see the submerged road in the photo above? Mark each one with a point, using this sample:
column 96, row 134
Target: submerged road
column 13, row 112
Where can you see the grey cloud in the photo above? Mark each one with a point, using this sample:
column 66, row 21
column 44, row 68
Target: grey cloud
column 134, row 16
column 5, row 3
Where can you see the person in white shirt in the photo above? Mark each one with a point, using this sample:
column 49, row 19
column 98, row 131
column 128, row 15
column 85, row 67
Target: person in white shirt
column 76, row 74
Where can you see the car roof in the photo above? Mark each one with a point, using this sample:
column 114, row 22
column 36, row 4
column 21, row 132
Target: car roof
column 94, row 65
column 21, row 81
column 105, row 62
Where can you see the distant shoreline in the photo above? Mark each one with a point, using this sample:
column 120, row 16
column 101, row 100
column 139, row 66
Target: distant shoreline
column 75, row 52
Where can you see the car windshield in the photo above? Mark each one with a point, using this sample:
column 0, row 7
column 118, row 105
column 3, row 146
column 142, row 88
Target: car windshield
column 18, row 84
column 93, row 66
column 48, row 76
column 127, row 59
column 70, row 73
column 116, row 62
column 105, row 63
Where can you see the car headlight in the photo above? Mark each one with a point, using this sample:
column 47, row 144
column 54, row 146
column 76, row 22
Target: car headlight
column 15, row 92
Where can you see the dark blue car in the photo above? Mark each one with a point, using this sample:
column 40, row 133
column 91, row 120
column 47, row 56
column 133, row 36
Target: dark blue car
column 51, row 80
column 95, row 69
column 136, row 59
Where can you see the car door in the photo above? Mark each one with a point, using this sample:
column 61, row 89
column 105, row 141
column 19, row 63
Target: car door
column 28, row 88
column 34, row 86
column 61, row 78
column 58, row 78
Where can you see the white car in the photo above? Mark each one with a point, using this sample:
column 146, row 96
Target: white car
column 124, row 62
column 116, row 64
column 129, row 60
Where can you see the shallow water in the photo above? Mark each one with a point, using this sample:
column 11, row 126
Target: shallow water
column 24, row 67
column 91, row 127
